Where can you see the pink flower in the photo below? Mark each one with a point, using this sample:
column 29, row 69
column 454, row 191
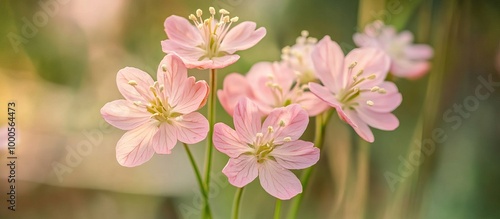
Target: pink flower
column 298, row 57
column 209, row 43
column 156, row 113
column 408, row 60
column 355, row 86
column 269, row 85
column 269, row 150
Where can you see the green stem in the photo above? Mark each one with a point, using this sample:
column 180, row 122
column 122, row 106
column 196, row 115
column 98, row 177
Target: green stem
column 211, row 122
column 236, row 202
column 277, row 209
column 306, row 176
column 200, row 181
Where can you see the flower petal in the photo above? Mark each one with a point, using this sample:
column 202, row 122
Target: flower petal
column 124, row 115
column 220, row 62
column 246, row 119
column 405, row 68
column 257, row 77
column 290, row 121
column 192, row 128
column 358, row 124
column 363, row 40
column 382, row 121
column 296, row 154
column 242, row 170
column 235, row 86
column 192, row 96
column 263, row 73
column 181, row 31
column 371, row 61
column 405, row 37
column 312, row 104
column 328, row 60
column 324, row 94
column 130, row 92
column 278, row 181
column 165, row 139
column 172, row 74
column 418, row 52
column 383, row 102
column 241, row 37
column 189, row 55
column 135, row 146
column 226, row 141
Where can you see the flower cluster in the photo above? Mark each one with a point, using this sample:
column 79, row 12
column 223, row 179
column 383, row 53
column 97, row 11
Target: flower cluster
column 277, row 84
column 270, row 105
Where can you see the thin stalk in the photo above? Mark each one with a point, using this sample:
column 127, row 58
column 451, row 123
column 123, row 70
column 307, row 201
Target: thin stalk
column 277, row 209
column 199, row 180
column 236, row 203
column 306, row 176
column 211, row 122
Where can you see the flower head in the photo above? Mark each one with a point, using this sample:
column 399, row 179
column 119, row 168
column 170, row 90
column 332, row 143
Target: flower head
column 298, row 57
column 156, row 113
column 407, row 60
column 268, row 149
column 210, row 42
column 354, row 85
column 269, row 85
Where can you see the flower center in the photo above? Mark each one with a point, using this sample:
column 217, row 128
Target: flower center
column 348, row 96
column 285, row 96
column 157, row 103
column 265, row 143
column 298, row 57
column 212, row 31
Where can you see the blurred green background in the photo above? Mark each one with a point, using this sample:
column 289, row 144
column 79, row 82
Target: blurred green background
column 59, row 59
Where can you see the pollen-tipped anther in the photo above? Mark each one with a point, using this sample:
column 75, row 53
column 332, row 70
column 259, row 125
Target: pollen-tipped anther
column 270, row 129
column 132, row 82
column 223, row 11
